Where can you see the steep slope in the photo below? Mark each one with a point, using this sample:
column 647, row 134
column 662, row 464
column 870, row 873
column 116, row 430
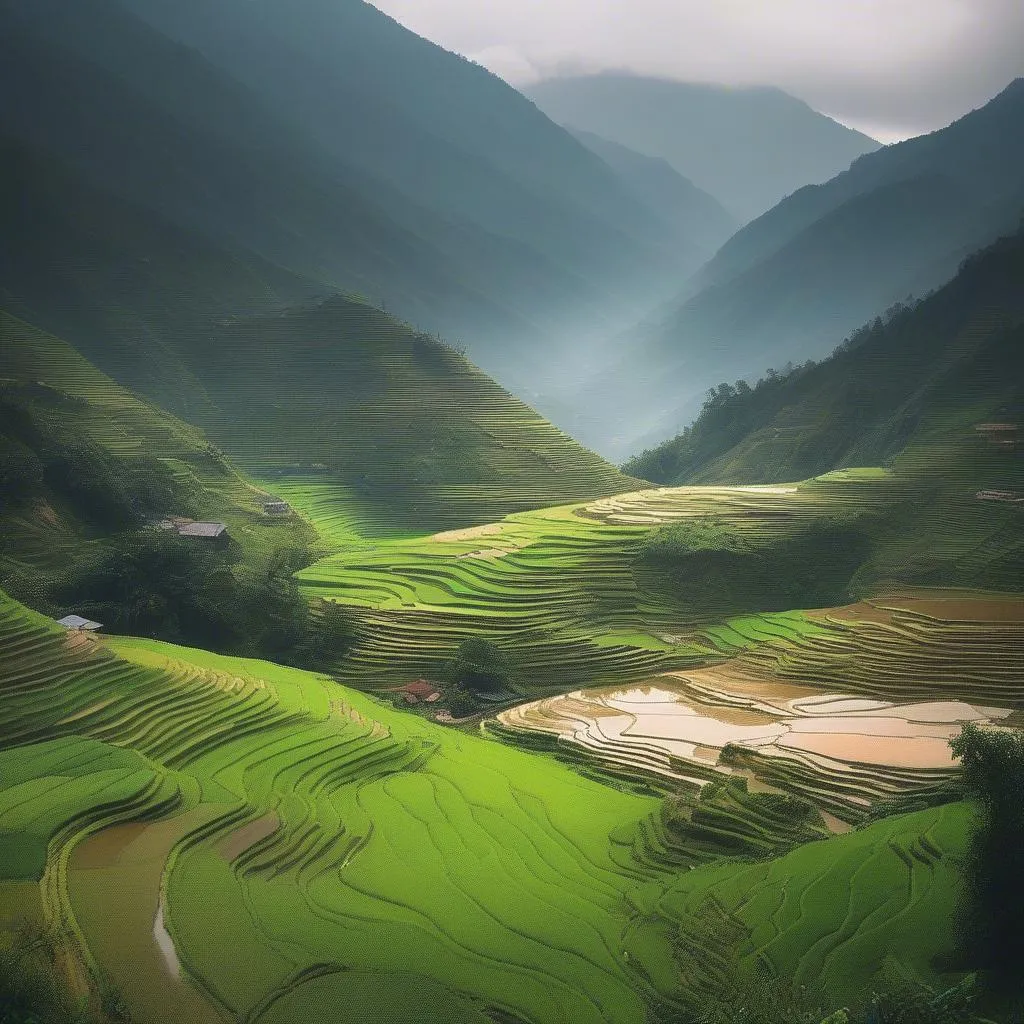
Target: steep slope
column 87, row 468
column 748, row 147
column 921, row 379
column 789, row 286
column 122, row 282
column 440, row 192
column 701, row 220
column 154, row 124
column 981, row 152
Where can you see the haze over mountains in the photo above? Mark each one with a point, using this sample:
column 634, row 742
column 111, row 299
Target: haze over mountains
column 793, row 283
column 182, row 164
column 748, row 147
column 438, row 191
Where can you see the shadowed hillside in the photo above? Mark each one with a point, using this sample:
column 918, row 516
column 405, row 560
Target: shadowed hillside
column 922, row 378
column 439, row 192
column 748, row 147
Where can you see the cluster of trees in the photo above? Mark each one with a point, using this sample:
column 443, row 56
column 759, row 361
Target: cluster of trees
column 478, row 667
column 992, row 918
column 160, row 585
column 712, row 568
column 42, row 459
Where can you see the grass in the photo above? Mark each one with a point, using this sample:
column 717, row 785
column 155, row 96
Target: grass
column 88, row 404
column 407, row 857
column 569, row 594
column 828, row 915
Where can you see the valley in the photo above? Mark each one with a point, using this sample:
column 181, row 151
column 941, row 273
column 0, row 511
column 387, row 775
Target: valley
column 484, row 551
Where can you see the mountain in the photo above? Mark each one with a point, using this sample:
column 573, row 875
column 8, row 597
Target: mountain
column 919, row 381
column 791, row 285
column 478, row 218
column 381, row 422
column 748, row 147
column 699, row 218
column 981, row 153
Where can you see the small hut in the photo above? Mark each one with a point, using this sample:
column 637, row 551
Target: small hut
column 211, row 531
column 420, row 691
column 77, row 624
column 277, row 507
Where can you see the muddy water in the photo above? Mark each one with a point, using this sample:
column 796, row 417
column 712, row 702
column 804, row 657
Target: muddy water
column 114, row 881
column 165, row 943
column 694, row 716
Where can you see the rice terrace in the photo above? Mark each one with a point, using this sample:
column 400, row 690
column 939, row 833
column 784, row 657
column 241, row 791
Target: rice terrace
column 483, row 542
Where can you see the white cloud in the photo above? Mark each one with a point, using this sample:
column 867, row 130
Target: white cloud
column 900, row 66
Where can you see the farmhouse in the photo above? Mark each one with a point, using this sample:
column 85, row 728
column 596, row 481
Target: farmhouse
column 208, row 530
column 78, row 624
column 276, row 508
column 420, row 691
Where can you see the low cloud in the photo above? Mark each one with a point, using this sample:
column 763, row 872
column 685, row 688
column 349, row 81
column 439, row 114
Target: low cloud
column 893, row 67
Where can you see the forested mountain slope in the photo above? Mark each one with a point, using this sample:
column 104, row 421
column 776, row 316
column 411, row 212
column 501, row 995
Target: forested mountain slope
column 438, row 191
column 700, row 218
column 789, row 286
column 925, row 376
column 748, row 147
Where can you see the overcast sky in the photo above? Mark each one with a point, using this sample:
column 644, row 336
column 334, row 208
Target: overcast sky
column 893, row 68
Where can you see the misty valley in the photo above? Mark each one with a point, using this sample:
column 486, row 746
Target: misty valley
column 476, row 554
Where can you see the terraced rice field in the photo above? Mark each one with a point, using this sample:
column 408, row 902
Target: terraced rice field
column 412, row 436
column 419, row 855
column 91, row 405
column 559, row 588
column 279, row 843
column 828, row 914
column 844, row 706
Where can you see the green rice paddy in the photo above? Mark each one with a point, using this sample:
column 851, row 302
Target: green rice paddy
column 308, row 845
column 563, row 589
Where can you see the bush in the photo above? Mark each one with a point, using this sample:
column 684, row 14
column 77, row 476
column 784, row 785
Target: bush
column 992, row 916
column 479, row 666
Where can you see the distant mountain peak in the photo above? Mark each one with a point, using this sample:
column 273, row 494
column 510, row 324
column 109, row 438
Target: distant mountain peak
column 747, row 145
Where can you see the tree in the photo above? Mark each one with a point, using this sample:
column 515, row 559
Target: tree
column 993, row 914
column 479, row 666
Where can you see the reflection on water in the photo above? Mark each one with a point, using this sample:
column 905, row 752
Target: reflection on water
column 693, row 717
column 166, row 943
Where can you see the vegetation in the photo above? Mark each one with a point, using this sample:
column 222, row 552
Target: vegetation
column 993, row 775
column 921, row 375
column 340, row 835
column 33, row 990
column 480, row 666
column 87, row 467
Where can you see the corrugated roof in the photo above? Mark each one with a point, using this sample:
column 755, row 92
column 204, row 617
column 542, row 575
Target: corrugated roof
column 202, row 529
column 77, row 622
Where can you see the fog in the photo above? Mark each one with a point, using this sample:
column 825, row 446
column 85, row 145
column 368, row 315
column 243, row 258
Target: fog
column 891, row 68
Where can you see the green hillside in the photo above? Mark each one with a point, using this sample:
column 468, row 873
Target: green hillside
column 87, row 468
column 355, row 853
column 910, row 390
column 792, row 284
column 626, row 587
column 405, row 432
